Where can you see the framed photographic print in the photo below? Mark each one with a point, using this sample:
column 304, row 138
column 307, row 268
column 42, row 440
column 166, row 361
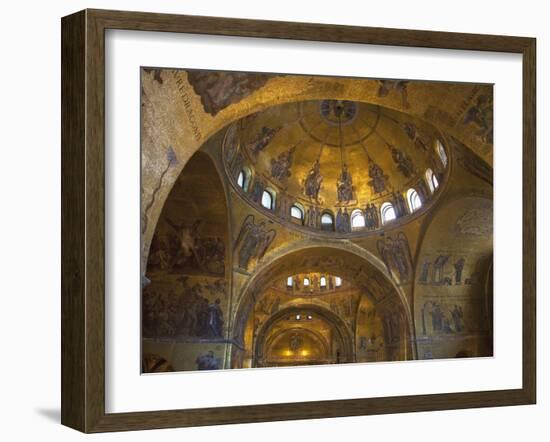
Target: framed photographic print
column 265, row 221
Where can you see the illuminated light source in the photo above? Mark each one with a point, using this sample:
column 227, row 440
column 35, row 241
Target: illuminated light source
column 338, row 281
column 387, row 212
column 298, row 317
column 309, row 317
column 414, row 200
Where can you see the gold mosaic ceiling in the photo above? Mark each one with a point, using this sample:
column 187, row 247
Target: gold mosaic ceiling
column 322, row 138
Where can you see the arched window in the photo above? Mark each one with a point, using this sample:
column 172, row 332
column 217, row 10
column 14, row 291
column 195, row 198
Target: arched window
column 327, row 221
column 297, row 212
column 240, row 179
column 432, row 181
column 414, row 200
column 441, row 152
column 289, row 281
column 306, row 282
column 323, row 282
column 387, row 213
column 337, row 281
column 268, row 199
column 243, row 179
column 357, row 219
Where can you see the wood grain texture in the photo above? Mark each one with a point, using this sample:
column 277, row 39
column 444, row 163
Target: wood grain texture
column 83, row 218
column 73, row 128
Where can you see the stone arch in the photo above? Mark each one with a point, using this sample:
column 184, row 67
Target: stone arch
column 191, row 248
column 184, row 136
column 345, row 335
column 360, row 266
column 450, row 285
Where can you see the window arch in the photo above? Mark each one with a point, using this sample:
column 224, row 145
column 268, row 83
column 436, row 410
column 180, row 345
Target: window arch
column 435, row 181
column 327, row 221
column 243, row 179
column 387, row 213
column 357, row 219
column 297, row 212
column 441, row 152
column 268, row 199
column 337, row 281
column 323, row 282
column 290, row 282
column 414, row 200
column 306, row 282
column 432, row 180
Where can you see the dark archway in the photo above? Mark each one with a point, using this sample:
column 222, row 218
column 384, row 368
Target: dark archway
column 185, row 298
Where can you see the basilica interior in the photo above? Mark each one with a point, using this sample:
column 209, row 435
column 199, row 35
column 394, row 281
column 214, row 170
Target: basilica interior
column 292, row 220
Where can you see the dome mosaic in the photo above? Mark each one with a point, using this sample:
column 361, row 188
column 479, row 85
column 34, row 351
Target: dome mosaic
column 336, row 165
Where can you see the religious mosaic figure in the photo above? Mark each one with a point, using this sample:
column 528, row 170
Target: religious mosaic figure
column 457, row 316
column 392, row 326
column 207, row 361
column 280, row 167
column 372, row 220
column 295, row 342
column 438, row 269
column 378, row 178
column 188, row 249
column 481, row 115
column 440, row 322
column 403, row 162
column 424, row 272
column 347, row 221
column 218, row 90
column 262, row 140
column 253, row 241
column 459, row 267
column 282, row 207
column 313, row 216
column 475, row 222
column 312, row 182
column 215, row 320
column 396, row 254
column 419, row 140
column 344, row 186
column 340, row 227
column 257, row 190
column 399, row 204
column 399, row 86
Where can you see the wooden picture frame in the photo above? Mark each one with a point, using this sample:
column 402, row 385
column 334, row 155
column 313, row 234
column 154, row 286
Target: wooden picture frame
column 83, row 215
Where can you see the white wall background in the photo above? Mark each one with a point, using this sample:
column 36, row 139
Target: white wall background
column 30, row 225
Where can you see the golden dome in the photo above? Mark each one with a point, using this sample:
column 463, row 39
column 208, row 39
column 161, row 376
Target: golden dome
column 336, row 157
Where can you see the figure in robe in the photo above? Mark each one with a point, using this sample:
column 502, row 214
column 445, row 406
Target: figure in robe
column 344, row 186
column 253, row 241
column 378, row 178
column 313, row 181
column 215, row 320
